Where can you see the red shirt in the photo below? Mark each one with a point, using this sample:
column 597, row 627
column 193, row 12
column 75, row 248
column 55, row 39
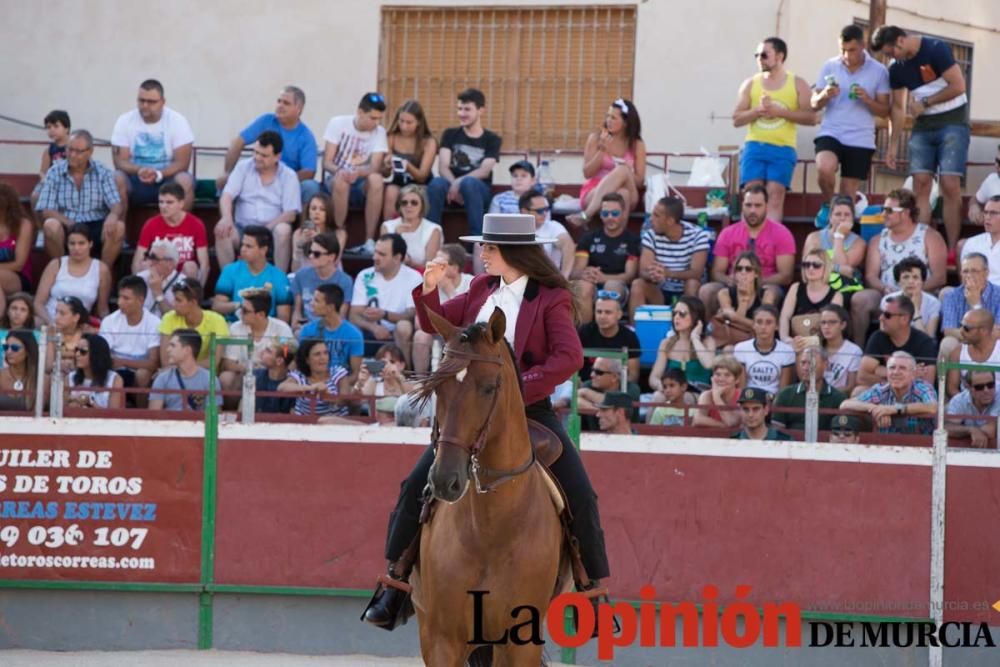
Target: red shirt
column 187, row 236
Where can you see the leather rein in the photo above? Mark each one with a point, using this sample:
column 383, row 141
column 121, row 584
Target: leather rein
column 476, row 449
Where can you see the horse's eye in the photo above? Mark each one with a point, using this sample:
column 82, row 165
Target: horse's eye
column 489, row 389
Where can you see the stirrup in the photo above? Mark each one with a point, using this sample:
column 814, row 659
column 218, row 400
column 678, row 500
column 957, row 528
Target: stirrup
column 405, row 610
column 595, row 595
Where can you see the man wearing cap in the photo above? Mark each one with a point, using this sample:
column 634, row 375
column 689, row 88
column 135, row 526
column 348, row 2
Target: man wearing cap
column 902, row 404
column 605, row 377
column 844, row 429
column 607, row 258
column 978, row 398
column 537, row 305
column 794, row 396
column 614, row 413
column 754, row 409
column 522, row 180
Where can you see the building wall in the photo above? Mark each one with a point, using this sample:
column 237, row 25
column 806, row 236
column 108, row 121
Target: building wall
column 223, row 62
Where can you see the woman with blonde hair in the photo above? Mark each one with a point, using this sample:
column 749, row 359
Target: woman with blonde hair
column 800, row 311
column 728, row 379
column 423, row 237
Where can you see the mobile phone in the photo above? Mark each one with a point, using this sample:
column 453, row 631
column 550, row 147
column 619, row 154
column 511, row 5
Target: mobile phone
column 374, row 366
column 397, row 164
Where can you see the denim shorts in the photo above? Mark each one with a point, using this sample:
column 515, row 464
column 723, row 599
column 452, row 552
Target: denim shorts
column 945, row 149
column 767, row 162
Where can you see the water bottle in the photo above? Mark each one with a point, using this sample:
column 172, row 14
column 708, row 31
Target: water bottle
column 545, row 180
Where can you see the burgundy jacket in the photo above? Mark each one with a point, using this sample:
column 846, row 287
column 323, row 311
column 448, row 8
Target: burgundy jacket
column 546, row 344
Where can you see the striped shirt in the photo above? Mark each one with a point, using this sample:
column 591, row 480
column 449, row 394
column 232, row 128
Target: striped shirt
column 676, row 255
column 90, row 202
column 304, row 403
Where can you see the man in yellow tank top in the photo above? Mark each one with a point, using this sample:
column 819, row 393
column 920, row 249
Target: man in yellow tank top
column 773, row 102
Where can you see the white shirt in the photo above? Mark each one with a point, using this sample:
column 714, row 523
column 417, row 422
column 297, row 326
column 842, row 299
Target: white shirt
column 551, row 229
column 131, row 342
column 276, row 331
column 394, row 296
column 257, row 203
column 507, row 298
column 168, row 294
column 152, row 144
column 983, row 244
column 354, row 147
column 764, row 369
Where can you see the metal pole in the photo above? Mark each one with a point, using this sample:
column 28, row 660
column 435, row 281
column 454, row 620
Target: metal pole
column 205, row 599
column 939, row 463
column 56, row 393
column 248, row 401
column 812, row 400
column 43, row 345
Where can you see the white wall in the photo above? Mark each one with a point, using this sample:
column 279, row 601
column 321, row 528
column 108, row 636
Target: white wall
column 222, row 62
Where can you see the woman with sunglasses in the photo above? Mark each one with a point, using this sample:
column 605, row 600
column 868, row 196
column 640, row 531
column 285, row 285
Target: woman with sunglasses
column 423, row 237
column 739, row 301
column 19, row 375
column 728, row 379
column 318, row 219
column 19, row 314
column 807, row 297
column 76, row 275
column 72, row 320
column 686, row 347
column 843, row 356
column 313, row 375
column 412, row 149
column 93, row 369
column 845, row 249
column 614, row 160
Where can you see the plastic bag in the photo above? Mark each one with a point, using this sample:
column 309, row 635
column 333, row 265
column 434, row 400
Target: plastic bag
column 707, row 171
column 659, row 186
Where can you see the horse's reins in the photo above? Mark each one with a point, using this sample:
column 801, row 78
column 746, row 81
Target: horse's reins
column 479, row 444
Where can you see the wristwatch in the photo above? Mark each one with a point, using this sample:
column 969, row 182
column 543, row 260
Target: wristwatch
column 159, row 299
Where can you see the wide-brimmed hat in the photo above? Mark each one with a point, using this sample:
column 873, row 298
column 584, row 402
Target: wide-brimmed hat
column 508, row 229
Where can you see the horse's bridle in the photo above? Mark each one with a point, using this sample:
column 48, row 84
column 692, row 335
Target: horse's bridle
column 479, row 443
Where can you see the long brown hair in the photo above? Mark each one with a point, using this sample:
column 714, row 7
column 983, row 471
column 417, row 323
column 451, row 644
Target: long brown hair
column 532, row 261
column 11, row 212
column 423, row 132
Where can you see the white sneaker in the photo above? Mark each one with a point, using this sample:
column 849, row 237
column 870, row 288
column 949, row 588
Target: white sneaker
column 366, row 249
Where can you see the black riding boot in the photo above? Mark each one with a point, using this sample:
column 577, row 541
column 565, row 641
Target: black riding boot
column 404, row 525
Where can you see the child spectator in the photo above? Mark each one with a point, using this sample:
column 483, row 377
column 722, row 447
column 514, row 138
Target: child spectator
column 675, row 387
column 522, row 180
column 57, row 127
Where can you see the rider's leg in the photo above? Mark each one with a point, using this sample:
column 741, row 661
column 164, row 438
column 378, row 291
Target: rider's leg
column 404, row 524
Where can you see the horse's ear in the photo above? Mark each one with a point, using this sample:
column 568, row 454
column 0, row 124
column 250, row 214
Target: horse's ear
column 497, row 325
column 441, row 325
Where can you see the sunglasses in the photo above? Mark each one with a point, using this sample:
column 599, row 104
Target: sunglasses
column 681, row 313
column 13, row 347
column 611, row 214
column 893, row 209
column 81, row 351
column 811, row 265
column 608, row 294
column 744, row 269
column 598, row 371
column 760, row 55
column 887, row 315
column 316, row 254
column 410, row 202
column 542, row 211
column 967, row 328
column 985, row 385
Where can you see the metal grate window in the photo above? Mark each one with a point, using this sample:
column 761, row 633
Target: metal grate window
column 548, row 74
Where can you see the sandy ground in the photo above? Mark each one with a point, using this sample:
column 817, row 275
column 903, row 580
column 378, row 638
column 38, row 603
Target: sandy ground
column 195, row 659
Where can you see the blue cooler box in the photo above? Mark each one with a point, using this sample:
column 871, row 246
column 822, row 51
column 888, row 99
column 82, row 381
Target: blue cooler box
column 652, row 323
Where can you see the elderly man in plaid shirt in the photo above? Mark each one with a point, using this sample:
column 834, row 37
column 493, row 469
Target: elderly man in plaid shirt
column 81, row 189
column 903, row 404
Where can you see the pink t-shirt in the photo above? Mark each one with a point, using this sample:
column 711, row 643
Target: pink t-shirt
column 188, row 236
column 773, row 240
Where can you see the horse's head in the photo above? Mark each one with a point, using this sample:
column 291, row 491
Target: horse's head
column 476, row 368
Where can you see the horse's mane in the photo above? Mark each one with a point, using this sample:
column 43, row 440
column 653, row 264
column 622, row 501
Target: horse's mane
column 453, row 365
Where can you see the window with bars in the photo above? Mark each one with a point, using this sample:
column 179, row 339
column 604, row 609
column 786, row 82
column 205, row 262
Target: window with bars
column 549, row 74
column 962, row 52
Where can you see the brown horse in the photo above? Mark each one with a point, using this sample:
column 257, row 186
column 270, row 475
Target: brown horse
column 503, row 535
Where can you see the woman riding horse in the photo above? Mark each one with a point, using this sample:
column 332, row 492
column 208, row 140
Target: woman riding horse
column 536, row 299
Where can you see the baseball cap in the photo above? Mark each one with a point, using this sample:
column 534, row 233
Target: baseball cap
column 753, row 395
column 523, row 164
column 616, row 399
column 845, row 423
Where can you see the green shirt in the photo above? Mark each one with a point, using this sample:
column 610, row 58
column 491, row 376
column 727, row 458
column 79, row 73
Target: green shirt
column 772, row 434
column 794, row 396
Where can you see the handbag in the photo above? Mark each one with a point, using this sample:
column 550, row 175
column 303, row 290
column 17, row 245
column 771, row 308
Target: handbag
column 729, row 332
column 805, row 325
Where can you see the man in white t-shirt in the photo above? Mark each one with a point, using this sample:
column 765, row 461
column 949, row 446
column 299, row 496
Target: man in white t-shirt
column 151, row 145
column 382, row 304
column 987, row 244
column 769, row 362
column 563, row 251
column 133, row 335
column 352, row 160
column 254, row 321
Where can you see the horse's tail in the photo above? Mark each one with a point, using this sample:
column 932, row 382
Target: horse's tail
column 481, row 657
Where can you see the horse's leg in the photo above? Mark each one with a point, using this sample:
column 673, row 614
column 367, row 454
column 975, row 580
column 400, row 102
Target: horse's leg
column 438, row 651
column 512, row 655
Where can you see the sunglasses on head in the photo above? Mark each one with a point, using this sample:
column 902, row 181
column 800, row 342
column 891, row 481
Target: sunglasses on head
column 812, row 265
column 608, row 294
column 611, row 214
column 13, row 347
column 985, row 385
column 375, row 98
